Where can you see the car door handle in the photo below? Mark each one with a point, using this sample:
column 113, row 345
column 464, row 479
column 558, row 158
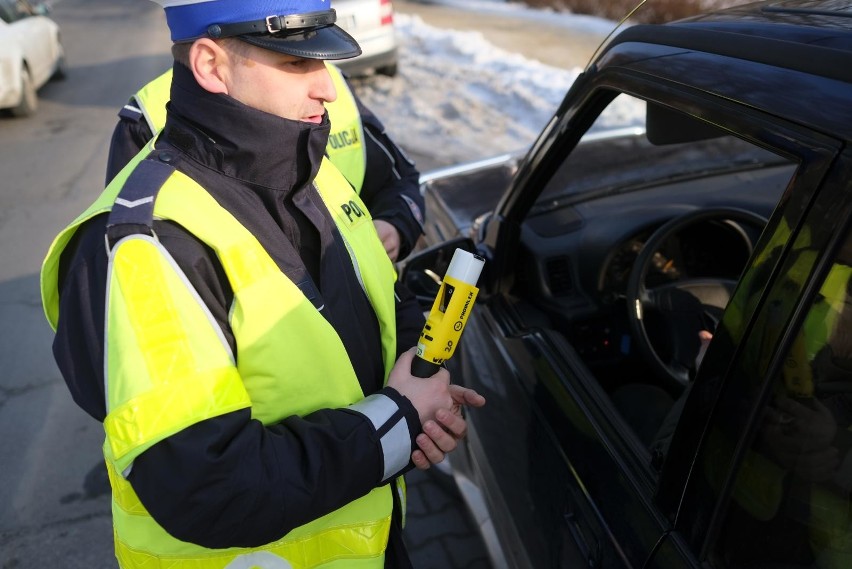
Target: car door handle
column 591, row 553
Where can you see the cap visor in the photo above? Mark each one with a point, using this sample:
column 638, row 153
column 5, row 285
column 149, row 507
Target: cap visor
column 329, row 42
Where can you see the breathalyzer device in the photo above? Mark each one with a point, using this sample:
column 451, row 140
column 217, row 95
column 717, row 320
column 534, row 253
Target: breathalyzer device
column 449, row 313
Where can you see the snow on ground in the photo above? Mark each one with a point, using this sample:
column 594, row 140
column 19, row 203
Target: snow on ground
column 459, row 98
column 519, row 10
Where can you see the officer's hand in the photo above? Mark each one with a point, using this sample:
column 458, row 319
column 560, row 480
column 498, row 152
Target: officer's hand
column 442, row 435
column 428, row 395
column 389, row 236
column 799, row 437
column 813, row 427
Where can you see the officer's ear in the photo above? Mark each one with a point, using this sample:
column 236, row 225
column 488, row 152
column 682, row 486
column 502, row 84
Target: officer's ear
column 210, row 64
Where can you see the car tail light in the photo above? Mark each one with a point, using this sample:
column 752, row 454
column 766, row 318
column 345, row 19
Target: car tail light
column 386, row 9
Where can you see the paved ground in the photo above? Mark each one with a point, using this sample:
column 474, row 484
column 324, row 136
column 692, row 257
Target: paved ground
column 441, row 533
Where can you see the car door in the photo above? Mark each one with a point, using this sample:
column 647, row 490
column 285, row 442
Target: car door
column 566, row 477
column 536, row 444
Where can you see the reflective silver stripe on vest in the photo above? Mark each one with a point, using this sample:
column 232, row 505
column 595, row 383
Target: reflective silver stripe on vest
column 390, row 424
column 150, row 121
column 258, row 560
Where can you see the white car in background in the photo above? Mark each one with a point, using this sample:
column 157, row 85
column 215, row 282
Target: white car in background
column 370, row 22
column 30, row 54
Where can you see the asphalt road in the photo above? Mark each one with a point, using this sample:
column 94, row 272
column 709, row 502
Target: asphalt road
column 54, row 497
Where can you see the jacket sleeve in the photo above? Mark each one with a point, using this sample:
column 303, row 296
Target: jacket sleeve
column 391, row 187
column 230, row 481
column 130, row 134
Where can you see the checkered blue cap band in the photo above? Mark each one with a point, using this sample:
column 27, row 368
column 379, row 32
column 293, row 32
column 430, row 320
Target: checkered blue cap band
column 189, row 19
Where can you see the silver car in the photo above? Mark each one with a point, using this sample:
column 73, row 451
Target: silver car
column 370, row 22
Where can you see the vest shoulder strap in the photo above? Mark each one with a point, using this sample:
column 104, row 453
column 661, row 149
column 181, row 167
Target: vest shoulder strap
column 130, row 112
column 133, row 210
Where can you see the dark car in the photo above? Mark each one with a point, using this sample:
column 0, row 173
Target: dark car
column 610, row 253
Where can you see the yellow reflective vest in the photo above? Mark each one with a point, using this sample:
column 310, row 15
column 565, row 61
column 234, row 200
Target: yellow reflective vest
column 168, row 365
column 345, row 147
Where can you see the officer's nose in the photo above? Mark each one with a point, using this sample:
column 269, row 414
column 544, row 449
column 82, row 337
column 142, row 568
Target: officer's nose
column 323, row 86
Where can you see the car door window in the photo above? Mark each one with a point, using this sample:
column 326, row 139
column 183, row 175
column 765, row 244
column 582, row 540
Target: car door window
column 790, row 500
column 637, row 168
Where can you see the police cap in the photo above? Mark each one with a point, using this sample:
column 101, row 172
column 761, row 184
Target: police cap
column 304, row 28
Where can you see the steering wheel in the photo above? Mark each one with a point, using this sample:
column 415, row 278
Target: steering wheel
column 684, row 307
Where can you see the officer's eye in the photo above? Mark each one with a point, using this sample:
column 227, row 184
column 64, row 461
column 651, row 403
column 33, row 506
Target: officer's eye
column 298, row 64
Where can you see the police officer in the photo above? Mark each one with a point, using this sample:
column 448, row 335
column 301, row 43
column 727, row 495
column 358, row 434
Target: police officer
column 358, row 146
column 226, row 309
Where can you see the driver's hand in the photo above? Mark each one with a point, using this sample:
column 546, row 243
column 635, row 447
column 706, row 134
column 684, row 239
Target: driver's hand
column 704, row 337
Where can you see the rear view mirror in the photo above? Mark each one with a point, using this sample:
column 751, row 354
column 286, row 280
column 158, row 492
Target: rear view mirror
column 664, row 126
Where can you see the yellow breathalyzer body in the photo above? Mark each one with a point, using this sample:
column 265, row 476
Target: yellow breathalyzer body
column 449, row 313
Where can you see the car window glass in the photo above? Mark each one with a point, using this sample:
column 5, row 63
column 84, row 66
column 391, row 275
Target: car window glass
column 14, row 10
column 790, row 503
column 7, row 11
column 629, row 161
column 613, row 191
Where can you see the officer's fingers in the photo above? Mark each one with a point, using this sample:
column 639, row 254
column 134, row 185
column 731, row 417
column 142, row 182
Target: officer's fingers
column 383, row 229
column 389, row 236
column 452, row 422
column 793, row 408
column 402, row 367
column 445, row 441
column 391, row 248
column 465, row 396
column 407, row 355
column 420, row 461
column 442, row 373
column 429, row 446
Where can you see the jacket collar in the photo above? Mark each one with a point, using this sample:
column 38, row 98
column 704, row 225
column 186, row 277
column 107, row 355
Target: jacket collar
column 252, row 146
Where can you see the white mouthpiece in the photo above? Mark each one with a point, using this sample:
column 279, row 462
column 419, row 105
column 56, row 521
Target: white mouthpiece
column 465, row 267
